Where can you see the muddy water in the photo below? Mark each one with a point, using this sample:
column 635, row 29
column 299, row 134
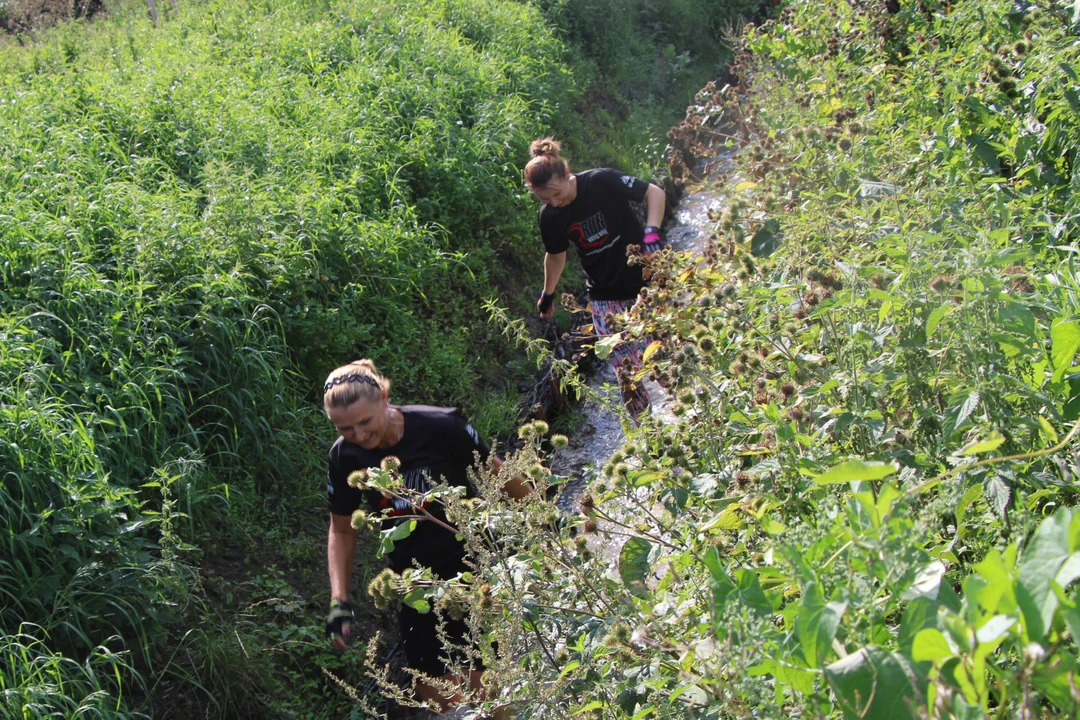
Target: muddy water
column 601, row 433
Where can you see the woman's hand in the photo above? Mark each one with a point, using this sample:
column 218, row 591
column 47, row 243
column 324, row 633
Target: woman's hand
column 338, row 623
column 545, row 304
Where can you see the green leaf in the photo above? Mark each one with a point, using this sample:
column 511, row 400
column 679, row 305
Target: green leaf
column 634, row 565
column 417, row 600
column 931, row 645
column 994, row 629
column 854, row 471
column 1064, row 343
column 720, row 584
column 605, row 345
column 993, row 442
column 748, row 589
column 816, row 624
column 766, row 240
column 392, row 535
column 935, row 319
column 797, row 678
column 1043, row 557
column 967, row 408
column 926, row 583
column 874, row 683
column 985, row 152
column 998, row 494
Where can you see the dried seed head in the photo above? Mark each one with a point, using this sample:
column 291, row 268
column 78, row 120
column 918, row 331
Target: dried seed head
column 390, row 464
column 590, row 526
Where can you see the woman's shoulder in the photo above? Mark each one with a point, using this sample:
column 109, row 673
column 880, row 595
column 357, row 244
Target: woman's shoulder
column 432, row 414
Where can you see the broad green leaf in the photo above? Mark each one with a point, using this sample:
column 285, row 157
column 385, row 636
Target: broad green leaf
column 1069, row 571
column 798, row 678
column 855, row 470
column 766, row 240
column 729, row 519
column 874, row 683
column 720, row 584
column 748, row 589
column 417, row 600
column 967, row 408
column 926, row 582
column 651, row 350
column 935, row 319
column 919, row 614
column 998, row 494
column 1064, row 344
column 605, row 345
column 931, row 645
column 634, row 565
column 1048, row 430
column 994, row 629
column 816, row 624
column 392, row 535
column 1044, row 555
column 993, row 442
column 971, row 495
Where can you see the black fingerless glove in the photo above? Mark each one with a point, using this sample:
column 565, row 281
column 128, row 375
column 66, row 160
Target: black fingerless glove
column 545, row 301
column 337, row 622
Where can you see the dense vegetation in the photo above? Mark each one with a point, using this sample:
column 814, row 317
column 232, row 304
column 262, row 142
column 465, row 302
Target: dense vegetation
column 865, row 509
column 198, row 221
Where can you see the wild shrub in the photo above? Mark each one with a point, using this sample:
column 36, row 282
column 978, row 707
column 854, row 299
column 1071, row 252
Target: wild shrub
column 866, row 506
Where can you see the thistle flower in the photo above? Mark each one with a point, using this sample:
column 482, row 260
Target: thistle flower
column 559, row 441
column 537, row 472
column 390, row 464
column 742, row 479
column 360, row 520
column 788, row 389
column 618, row 635
column 382, row 588
column 358, row 479
column 587, row 503
column 590, row 526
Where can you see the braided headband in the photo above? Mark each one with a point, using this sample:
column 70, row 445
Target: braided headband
column 352, row 377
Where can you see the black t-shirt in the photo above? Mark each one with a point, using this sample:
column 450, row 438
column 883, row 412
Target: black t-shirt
column 439, row 445
column 601, row 224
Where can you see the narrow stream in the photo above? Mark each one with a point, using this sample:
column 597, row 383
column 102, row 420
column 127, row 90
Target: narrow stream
column 601, row 434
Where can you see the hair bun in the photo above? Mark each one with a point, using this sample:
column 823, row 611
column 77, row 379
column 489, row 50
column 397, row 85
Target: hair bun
column 545, row 146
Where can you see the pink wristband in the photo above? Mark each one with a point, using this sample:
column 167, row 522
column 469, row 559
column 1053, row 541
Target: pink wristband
column 651, row 238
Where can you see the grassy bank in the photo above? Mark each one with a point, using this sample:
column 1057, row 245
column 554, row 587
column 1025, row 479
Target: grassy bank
column 864, row 510
column 199, row 220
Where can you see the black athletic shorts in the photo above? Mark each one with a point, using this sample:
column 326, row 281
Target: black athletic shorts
column 420, row 640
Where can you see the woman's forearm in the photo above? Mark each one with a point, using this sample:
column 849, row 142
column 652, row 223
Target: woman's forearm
column 553, row 268
column 656, row 202
column 340, row 553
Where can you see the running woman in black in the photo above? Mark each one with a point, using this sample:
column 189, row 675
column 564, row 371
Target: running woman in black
column 431, row 444
column 591, row 211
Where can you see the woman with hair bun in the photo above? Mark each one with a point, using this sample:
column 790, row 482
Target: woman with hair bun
column 591, row 211
column 426, row 444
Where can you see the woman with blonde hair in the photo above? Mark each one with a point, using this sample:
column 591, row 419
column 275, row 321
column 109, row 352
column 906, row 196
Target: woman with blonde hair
column 591, row 211
column 430, row 444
